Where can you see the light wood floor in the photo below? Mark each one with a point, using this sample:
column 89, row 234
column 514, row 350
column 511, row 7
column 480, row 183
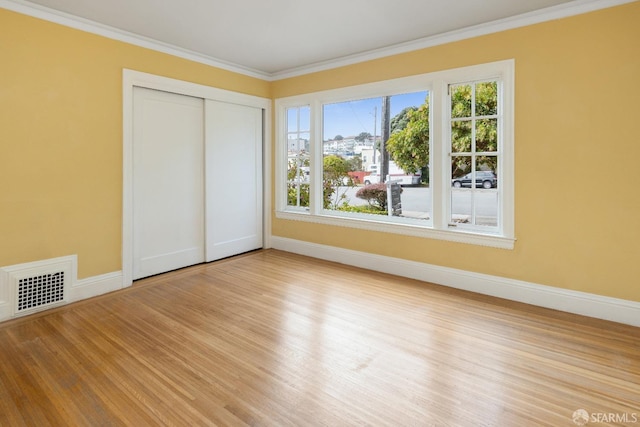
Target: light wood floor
column 274, row 339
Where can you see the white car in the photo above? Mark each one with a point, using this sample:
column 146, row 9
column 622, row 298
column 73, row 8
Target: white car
column 373, row 178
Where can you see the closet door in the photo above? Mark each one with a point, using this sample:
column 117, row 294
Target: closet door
column 168, row 181
column 233, row 146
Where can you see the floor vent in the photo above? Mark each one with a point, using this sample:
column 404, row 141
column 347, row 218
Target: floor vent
column 38, row 291
column 40, row 285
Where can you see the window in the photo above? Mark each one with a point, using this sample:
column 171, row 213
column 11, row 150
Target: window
column 298, row 165
column 428, row 155
column 474, row 152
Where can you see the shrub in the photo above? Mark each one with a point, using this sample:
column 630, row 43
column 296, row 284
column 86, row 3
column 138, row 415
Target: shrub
column 292, row 194
column 375, row 195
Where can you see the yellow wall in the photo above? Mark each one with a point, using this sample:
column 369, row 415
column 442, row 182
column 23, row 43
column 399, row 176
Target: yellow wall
column 577, row 147
column 577, row 153
column 61, row 138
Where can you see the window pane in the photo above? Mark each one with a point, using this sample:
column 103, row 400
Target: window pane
column 408, row 142
column 487, row 135
column 461, row 171
column 298, row 164
column 486, row 99
column 486, row 207
column 408, row 147
column 292, row 120
column 460, row 101
column 461, row 207
column 305, row 119
column 461, row 136
column 350, row 129
column 359, row 142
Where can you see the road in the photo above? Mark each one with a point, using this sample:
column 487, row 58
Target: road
column 418, row 200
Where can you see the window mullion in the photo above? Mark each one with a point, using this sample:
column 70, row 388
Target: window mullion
column 441, row 155
column 316, row 197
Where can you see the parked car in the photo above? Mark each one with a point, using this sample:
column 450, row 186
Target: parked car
column 402, row 179
column 373, row 178
column 484, row 179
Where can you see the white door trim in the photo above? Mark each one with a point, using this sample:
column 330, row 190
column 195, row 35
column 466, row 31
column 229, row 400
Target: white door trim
column 131, row 78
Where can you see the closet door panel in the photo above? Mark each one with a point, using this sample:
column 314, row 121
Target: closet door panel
column 168, row 182
column 233, row 185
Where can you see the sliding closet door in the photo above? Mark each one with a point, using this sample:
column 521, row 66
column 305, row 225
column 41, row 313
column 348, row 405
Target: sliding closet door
column 168, row 182
column 233, row 145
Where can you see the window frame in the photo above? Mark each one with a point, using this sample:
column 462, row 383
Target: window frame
column 437, row 83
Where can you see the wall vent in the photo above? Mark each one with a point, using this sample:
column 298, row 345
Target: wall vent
column 40, row 285
column 38, row 291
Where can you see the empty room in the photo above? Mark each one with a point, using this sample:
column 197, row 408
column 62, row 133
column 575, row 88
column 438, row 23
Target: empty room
column 410, row 213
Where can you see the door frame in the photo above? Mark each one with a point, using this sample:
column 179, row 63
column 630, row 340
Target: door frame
column 131, row 79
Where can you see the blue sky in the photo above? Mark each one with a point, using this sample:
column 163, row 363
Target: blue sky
column 353, row 117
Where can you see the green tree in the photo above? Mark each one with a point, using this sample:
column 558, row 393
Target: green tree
column 336, row 181
column 338, row 138
column 408, row 144
column 355, row 163
column 363, row 136
column 400, row 120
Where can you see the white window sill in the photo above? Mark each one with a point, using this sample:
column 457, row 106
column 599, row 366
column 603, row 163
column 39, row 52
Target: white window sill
column 407, row 229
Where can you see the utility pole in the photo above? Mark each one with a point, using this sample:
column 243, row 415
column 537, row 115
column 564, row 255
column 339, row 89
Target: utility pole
column 375, row 127
column 385, row 131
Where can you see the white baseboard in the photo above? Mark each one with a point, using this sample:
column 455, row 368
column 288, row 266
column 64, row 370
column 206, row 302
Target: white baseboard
column 75, row 290
column 94, row 286
column 5, row 311
column 597, row 306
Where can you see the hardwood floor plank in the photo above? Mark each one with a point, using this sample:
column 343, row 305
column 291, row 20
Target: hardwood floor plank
column 276, row 339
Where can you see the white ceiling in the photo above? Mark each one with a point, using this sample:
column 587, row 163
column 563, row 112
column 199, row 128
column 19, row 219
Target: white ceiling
column 272, row 37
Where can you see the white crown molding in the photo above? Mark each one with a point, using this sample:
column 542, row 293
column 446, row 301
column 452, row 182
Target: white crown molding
column 564, row 10
column 586, row 304
column 72, row 21
column 571, row 8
